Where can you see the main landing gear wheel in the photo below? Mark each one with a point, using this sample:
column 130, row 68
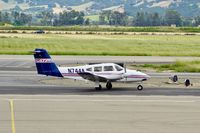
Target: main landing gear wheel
column 98, row 88
column 109, row 85
column 140, row 87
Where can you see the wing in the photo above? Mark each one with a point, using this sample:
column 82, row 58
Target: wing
column 92, row 77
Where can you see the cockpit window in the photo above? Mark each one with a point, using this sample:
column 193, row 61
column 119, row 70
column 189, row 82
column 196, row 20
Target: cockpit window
column 89, row 69
column 108, row 68
column 118, row 68
column 97, row 69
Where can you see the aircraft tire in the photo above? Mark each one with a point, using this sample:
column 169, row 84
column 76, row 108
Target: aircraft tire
column 187, row 82
column 98, row 88
column 109, row 85
column 139, row 87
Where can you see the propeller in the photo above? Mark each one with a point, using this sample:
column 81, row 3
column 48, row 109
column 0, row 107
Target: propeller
column 124, row 75
column 124, row 67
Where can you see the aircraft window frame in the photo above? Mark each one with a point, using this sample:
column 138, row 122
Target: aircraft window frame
column 89, row 69
column 99, row 69
column 108, row 70
column 118, row 68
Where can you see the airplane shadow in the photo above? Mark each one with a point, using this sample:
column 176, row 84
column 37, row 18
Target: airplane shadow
column 62, row 90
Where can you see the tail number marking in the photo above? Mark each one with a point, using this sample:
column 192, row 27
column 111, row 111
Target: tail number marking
column 72, row 70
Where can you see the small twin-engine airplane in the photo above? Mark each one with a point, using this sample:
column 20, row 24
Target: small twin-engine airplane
column 98, row 73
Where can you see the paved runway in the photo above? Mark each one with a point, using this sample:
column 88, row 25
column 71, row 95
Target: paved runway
column 30, row 103
column 97, row 114
column 57, row 90
column 30, row 83
column 26, row 62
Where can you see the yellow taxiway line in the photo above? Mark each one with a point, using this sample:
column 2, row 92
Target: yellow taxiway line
column 12, row 115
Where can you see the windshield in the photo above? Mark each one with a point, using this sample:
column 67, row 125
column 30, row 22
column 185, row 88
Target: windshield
column 118, row 68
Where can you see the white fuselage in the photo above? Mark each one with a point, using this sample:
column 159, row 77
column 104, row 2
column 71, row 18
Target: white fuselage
column 110, row 71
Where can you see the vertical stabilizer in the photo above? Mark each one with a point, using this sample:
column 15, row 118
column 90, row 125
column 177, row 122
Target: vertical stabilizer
column 44, row 63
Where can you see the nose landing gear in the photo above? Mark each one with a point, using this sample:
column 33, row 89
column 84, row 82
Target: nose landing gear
column 98, row 88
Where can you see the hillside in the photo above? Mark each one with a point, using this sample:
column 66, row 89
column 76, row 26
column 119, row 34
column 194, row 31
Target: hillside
column 187, row 8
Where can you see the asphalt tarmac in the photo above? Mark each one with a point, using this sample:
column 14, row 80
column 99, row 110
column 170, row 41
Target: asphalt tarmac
column 26, row 62
column 30, row 103
column 30, row 83
column 97, row 114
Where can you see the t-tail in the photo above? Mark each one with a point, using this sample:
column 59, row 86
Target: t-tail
column 44, row 63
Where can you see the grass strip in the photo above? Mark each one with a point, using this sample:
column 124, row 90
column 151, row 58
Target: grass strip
column 105, row 28
column 178, row 66
column 118, row 45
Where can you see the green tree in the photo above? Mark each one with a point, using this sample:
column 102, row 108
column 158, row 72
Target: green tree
column 156, row 19
column 87, row 21
column 187, row 22
column 147, row 19
column 197, row 20
column 16, row 18
column 6, row 17
column 107, row 15
column 117, row 18
column 104, row 17
column 70, row 18
column 172, row 17
column 46, row 18
column 139, row 19
column 20, row 18
column 102, row 20
column 25, row 19
column 79, row 18
column 0, row 16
